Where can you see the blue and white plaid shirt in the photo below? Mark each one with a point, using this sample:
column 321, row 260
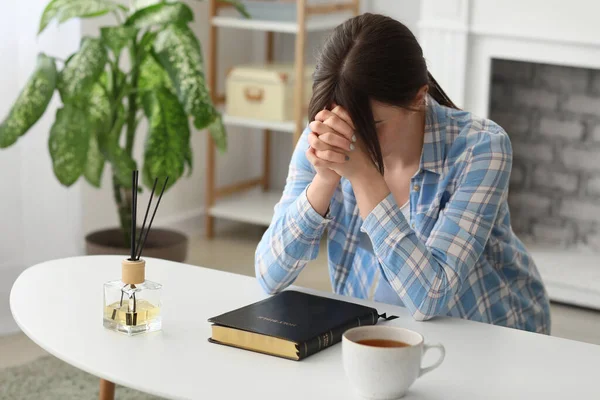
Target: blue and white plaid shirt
column 456, row 256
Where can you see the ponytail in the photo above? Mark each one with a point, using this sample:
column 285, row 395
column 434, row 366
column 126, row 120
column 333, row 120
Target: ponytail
column 436, row 91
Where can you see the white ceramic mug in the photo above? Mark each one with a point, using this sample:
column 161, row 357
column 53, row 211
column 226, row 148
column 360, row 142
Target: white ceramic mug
column 385, row 372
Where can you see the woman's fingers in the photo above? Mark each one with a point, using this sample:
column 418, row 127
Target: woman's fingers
column 316, row 161
column 336, row 123
column 331, row 156
column 326, row 135
column 324, row 151
column 343, row 114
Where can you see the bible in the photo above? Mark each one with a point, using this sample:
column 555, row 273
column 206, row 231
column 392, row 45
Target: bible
column 290, row 324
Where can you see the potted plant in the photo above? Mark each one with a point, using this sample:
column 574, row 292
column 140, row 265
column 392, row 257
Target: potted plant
column 103, row 103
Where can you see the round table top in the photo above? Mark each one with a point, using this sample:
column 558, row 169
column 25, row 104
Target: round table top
column 59, row 305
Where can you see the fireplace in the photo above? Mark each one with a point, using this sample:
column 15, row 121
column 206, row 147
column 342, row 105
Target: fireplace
column 534, row 67
column 552, row 115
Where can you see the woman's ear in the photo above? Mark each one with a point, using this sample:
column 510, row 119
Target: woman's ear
column 419, row 102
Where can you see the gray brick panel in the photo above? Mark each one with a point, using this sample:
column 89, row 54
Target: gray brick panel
column 517, row 176
column 595, row 85
column 593, row 187
column 531, row 204
column 535, row 98
column 562, row 79
column 593, row 241
column 581, row 210
column 552, row 115
column 512, row 71
column 514, row 123
column 553, row 234
column 568, row 130
column 544, row 177
column 582, row 159
column 526, row 151
column 595, row 133
column 583, row 104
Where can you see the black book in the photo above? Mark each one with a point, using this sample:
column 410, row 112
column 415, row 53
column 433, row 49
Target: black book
column 290, row 324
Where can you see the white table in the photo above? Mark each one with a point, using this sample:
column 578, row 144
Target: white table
column 58, row 304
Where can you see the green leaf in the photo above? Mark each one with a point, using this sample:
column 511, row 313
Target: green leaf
column 31, row 103
column 94, row 165
column 189, row 159
column 68, row 144
column 152, row 75
column 139, row 4
column 161, row 14
column 238, row 6
column 218, row 133
column 117, row 37
column 108, row 142
column 168, row 139
column 63, row 10
column 99, row 106
column 178, row 51
column 82, row 71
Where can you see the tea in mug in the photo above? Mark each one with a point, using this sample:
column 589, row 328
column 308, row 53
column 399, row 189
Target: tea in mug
column 383, row 343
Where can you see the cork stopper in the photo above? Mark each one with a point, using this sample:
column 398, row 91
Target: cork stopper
column 133, row 272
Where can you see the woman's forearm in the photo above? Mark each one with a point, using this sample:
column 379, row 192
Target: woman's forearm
column 369, row 189
column 319, row 194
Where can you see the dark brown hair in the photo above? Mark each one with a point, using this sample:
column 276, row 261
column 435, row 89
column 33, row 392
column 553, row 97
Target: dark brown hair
column 371, row 57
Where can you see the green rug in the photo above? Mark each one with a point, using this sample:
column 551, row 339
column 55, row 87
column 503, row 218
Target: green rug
column 49, row 378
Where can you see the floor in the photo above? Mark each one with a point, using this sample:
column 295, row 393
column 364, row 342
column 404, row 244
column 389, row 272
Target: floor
column 233, row 250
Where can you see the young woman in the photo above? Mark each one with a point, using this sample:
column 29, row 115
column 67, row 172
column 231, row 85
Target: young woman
column 412, row 190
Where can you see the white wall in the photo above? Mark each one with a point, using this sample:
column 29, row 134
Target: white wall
column 40, row 219
column 405, row 11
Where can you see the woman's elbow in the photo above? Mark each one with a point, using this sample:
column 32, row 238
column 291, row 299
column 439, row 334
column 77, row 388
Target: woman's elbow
column 266, row 287
column 261, row 271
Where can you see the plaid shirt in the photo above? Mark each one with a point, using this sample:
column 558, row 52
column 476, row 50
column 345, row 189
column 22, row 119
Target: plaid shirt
column 456, row 256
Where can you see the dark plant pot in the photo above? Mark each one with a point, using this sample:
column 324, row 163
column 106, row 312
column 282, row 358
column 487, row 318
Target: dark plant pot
column 161, row 243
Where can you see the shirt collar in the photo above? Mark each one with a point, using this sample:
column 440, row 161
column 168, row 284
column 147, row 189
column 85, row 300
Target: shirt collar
column 433, row 157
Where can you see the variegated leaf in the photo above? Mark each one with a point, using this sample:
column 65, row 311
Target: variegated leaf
column 82, row 71
column 31, row 103
column 218, row 133
column 63, row 10
column 117, row 37
column 168, row 139
column 178, row 51
column 99, row 105
column 161, row 14
column 152, row 75
column 68, row 144
column 108, row 142
column 94, row 165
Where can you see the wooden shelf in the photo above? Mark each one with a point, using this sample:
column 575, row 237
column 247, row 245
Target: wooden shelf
column 287, row 126
column 238, row 202
column 253, row 207
column 313, row 23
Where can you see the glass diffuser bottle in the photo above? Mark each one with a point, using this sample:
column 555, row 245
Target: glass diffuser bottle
column 132, row 304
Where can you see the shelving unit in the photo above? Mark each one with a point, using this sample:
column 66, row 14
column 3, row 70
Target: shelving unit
column 251, row 201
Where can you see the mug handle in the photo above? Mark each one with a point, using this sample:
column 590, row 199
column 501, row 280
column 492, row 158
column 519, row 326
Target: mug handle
column 442, row 350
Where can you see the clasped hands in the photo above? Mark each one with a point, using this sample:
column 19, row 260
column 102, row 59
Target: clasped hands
column 335, row 150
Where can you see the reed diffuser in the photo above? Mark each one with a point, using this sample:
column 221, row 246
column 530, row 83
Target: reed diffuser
column 132, row 303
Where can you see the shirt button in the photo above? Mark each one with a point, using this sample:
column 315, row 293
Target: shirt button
column 416, row 188
column 412, row 225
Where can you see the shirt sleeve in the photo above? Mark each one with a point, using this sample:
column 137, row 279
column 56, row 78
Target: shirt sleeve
column 293, row 237
column 427, row 275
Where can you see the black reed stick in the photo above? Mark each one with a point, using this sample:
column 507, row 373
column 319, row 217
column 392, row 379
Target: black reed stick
column 146, row 216
column 152, row 219
column 134, row 181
